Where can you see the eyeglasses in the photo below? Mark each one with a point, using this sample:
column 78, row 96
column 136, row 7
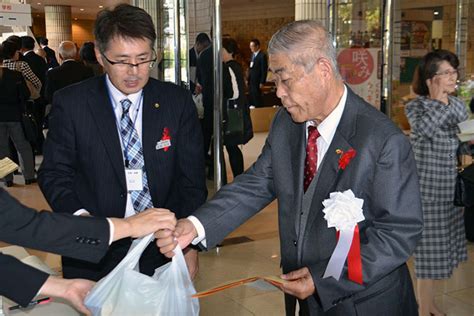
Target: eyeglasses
column 122, row 64
column 446, row 73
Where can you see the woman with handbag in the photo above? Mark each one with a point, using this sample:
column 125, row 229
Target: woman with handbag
column 433, row 118
column 236, row 113
column 13, row 90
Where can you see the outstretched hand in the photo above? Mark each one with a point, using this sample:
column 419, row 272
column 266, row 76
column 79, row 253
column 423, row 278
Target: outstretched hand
column 183, row 235
column 72, row 290
column 144, row 223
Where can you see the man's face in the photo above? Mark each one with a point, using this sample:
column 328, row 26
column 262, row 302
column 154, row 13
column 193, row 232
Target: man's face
column 254, row 47
column 302, row 94
column 128, row 79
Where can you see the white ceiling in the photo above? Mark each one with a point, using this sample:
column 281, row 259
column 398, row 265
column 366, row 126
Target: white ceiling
column 91, row 7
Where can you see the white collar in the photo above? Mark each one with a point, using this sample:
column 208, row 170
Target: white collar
column 117, row 96
column 327, row 128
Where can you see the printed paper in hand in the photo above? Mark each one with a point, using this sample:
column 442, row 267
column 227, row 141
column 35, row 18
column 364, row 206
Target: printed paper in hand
column 7, row 166
column 467, row 131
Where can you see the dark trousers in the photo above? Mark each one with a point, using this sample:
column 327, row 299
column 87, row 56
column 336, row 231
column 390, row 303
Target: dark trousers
column 236, row 159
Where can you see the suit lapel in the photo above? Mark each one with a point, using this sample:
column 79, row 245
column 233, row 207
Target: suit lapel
column 298, row 151
column 104, row 118
column 329, row 172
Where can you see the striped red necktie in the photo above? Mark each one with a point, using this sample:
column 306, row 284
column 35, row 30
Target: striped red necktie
column 311, row 159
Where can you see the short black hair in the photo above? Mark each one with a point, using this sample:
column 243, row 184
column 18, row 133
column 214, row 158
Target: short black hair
column 27, row 42
column 203, row 38
column 15, row 40
column 428, row 67
column 255, row 41
column 124, row 21
column 230, row 46
column 43, row 40
column 87, row 52
column 9, row 49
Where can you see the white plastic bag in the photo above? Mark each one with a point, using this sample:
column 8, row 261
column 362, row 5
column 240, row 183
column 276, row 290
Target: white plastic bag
column 197, row 98
column 125, row 291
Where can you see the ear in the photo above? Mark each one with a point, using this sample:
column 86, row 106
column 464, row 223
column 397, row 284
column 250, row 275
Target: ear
column 325, row 67
column 98, row 55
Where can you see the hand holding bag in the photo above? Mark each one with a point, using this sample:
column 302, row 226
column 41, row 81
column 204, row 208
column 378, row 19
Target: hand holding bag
column 125, row 291
column 464, row 191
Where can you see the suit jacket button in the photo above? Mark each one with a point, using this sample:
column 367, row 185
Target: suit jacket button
column 122, row 195
column 295, row 243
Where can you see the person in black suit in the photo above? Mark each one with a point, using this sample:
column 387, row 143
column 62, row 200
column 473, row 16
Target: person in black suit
column 70, row 71
column 39, row 67
column 257, row 75
column 85, row 238
column 205, row 85
column 122, row 141
column 50, row 53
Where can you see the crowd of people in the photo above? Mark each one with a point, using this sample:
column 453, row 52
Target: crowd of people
column 123, row 158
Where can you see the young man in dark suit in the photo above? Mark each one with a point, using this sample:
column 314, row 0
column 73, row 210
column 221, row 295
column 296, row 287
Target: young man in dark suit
column 123, row 142
column 325, row 141
column 85, row 238
column 51, row 59
column 257, row 75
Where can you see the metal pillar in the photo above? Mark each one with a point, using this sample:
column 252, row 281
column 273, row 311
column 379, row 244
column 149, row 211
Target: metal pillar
column 217, row 95
column 387, row 56
column 177, row 43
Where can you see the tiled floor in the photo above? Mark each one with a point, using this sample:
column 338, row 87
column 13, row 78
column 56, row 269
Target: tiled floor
column 259, row 255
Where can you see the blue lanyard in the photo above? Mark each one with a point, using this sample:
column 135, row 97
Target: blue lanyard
column 125, row 145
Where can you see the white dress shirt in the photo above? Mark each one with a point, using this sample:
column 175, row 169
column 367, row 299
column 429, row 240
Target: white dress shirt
column 326, row 129
column 136, row 113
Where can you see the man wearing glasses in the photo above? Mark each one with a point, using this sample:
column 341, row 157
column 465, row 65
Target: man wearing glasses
column 123, row 142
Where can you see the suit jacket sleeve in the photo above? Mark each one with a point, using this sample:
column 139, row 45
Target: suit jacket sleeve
column 84, row 238
column 236, row 202
column 77, row 237
column 18, row 281
column 57, row 172
column 395, row 228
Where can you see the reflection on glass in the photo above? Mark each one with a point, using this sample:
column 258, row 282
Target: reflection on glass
column 168, row 62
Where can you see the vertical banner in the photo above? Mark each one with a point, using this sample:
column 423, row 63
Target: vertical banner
column 360, row 69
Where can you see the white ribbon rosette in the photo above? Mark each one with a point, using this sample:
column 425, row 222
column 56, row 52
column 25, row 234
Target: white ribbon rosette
column 343, row 211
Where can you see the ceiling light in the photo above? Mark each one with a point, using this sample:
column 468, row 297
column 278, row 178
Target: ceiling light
column 39, row 3
column 101, row 6
column 81, row 9
column 436, row 12
column 75, row 19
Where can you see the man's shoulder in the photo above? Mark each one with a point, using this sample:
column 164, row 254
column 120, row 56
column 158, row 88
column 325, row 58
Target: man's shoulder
column 370, row 118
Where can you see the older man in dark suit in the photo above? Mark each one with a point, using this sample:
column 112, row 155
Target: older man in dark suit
column 325, row 142
column 123, row 142
column 86, row 238
column 71, row 71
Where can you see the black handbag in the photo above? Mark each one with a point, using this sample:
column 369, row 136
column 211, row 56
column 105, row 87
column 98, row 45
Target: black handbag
column 464, row 191
column 235, row 119
column 30, row 127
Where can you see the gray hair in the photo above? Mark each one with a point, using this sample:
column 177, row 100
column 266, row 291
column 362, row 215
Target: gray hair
column 304, row 42
column 67, row 50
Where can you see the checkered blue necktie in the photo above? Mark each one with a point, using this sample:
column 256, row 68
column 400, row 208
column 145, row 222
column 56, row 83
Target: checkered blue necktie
column 141, row 200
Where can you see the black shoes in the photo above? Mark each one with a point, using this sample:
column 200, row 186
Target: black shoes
column 9, row 183
column 30, row 181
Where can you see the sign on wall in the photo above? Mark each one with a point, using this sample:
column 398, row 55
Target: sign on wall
column 360, row 69
column 15, row 14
